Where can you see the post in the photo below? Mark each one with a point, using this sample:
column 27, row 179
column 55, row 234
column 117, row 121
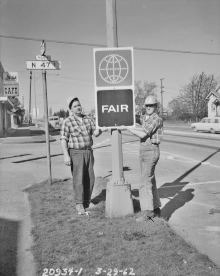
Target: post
column 46, row 124
column 118, row 193
column 161, row 86
column 112, row 41
column 29, row 112
column 36, row 123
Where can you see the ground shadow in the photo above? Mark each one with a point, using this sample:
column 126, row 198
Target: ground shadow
column 8, row 246
column 174, row 190
column 135, row 199
column 99, row 198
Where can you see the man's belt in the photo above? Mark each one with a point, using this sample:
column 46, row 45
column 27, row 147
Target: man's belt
column 85, row 148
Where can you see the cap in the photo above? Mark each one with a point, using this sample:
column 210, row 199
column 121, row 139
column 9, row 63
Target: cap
column 71, row 100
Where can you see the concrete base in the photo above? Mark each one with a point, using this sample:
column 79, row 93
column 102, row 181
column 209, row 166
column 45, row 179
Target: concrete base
column 118, row 200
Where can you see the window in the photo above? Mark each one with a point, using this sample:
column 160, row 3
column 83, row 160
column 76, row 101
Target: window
column 212, row 107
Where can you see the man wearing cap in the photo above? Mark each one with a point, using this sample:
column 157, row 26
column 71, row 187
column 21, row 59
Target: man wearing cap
column 76, row 142
column 150, row 135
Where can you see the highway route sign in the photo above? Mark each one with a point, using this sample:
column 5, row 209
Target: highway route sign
column 44, row 65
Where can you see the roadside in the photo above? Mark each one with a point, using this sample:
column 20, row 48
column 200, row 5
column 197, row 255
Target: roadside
column 14, row 204
column 26, row 134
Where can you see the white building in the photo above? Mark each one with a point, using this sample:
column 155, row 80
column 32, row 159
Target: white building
column 214, row 103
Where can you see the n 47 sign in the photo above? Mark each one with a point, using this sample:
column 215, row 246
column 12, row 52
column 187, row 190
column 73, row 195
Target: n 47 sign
column 46, row 65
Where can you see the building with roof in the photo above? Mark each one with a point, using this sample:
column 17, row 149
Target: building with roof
column 213, row 99
column 5, row 106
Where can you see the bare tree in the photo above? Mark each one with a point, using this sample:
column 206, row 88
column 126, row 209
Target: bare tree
column 141, row 92
column 191, row 101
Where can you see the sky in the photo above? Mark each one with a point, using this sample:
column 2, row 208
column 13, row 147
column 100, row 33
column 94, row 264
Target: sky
column 165, row 25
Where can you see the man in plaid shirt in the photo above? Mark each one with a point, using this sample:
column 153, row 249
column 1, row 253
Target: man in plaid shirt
column 76, row 142
column 150, row 137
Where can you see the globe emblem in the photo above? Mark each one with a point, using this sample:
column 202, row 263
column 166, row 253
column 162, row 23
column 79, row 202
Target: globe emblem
column 113, row 69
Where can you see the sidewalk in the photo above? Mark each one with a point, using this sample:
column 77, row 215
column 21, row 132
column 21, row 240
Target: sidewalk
column 26, row 134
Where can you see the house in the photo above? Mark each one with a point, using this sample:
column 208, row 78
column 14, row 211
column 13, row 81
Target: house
column 5, row 104
column 214, row 103
column 167, row 112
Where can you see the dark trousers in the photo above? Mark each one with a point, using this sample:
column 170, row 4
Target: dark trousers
column 83, row 174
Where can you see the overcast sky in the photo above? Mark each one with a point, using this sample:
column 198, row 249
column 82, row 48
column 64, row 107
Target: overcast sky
column 180, row 25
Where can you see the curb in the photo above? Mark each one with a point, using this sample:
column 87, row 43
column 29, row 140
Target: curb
column 25, row 140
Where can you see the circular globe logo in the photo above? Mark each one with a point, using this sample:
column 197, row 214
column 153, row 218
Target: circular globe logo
column 113, row 69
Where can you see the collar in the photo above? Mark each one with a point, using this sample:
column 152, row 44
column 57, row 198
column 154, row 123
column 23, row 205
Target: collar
column 152, row 116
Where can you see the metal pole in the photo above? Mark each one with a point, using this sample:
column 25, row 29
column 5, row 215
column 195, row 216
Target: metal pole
column 36, row 124
column 29, row 112
column 46, row 124
column 112, row 41
column 118, row 192
column 162, row 97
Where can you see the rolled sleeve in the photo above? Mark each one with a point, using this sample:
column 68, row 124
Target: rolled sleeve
column 93, row 126
column 64, row 132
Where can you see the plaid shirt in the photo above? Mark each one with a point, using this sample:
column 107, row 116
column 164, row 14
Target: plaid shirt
column 77, row 134
column 153, row 126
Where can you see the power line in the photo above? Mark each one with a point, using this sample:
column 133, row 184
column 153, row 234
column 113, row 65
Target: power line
column 101, row 45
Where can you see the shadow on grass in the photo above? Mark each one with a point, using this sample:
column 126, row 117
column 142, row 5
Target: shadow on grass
column 173, row 191
column 9, row 230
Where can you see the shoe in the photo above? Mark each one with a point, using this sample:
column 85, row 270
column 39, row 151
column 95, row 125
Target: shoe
column 146, row 215
column 157, row 212
column 86, row 204
column 79, row 208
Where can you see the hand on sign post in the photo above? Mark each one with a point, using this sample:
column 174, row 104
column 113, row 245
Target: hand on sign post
column 67, row 160
column 122, row 128
column 104, row 129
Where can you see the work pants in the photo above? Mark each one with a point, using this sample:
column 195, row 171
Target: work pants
column 148, row 195
column 82, row 162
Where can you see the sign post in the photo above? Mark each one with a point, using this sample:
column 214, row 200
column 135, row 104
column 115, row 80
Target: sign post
column 44, row 63
column 115, row 107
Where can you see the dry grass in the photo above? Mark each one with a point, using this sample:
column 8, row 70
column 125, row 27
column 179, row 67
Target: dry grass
column 63, row 239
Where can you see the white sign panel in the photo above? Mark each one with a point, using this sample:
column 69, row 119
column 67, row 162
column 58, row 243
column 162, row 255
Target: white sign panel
column 10, row 82
column 114, row 87
column 43, row 65
column 39, row 57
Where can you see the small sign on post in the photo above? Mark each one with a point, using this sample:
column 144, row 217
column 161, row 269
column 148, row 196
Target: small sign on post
column 10, row 83
column 44, row 63
column 114, row 87
column 115, row 107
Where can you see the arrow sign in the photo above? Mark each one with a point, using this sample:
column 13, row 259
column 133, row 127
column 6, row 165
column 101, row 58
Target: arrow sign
column 44, row 65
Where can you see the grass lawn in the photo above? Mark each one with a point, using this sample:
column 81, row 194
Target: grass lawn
column 62, row 239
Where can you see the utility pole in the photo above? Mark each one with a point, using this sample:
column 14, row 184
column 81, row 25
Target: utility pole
column 46, row 125
column 29, row 112
column 36, row 123
column 161, row 86
column 118, row 193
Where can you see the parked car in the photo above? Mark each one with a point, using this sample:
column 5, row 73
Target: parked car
column 55, row 122
column 207, row 124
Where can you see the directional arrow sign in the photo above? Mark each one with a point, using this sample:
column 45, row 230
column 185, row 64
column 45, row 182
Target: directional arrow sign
column 44, row 65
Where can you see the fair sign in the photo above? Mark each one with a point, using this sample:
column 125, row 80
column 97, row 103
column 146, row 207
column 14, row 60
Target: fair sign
column 114, row 87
